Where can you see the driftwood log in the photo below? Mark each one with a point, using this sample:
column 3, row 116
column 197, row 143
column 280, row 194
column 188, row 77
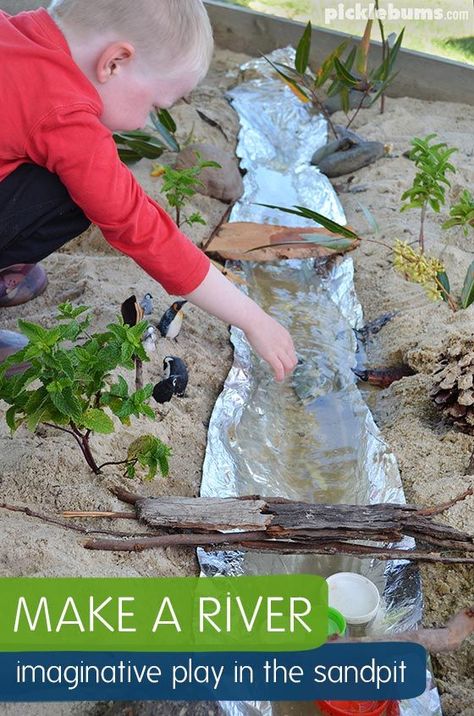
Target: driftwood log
column 276, row 525
column 288, row 527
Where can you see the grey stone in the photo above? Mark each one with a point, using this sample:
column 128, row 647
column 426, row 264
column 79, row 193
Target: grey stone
column 345, row 162
column 334, row 104
column 225, row 183
column 330, row 148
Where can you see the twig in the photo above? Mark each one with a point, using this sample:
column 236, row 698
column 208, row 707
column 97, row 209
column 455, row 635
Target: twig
column 438, row 510
column 101, row 515
column 222, row 220
column 67, row 526
column 358, row 109
column 124, row 495
column 257, row 541
column 119, row 462
column 320, row 105
column 421, row 237
column 138, row 374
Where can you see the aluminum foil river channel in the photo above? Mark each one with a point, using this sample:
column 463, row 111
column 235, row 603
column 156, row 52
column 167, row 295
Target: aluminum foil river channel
column 312, row 438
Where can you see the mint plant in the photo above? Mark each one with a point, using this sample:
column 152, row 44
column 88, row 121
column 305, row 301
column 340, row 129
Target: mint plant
column 69, row 385
column 430, row 182
column 180, row 185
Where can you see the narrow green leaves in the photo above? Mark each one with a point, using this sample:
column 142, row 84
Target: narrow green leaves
column 362, row 54
column 326, row 223
column 343, row 74
column 165, row 128
column 136, row 145
column 303, row 50
column 443, row 278
column 467, row 295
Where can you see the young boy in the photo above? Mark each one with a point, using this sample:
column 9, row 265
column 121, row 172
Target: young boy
column 69, row 77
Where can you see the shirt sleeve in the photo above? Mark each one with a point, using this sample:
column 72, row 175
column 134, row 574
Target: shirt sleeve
column 72, row 143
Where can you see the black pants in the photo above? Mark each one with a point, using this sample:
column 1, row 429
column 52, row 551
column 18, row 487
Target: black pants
column 37, row 216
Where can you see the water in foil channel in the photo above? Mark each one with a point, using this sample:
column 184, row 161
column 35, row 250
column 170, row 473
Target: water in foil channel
column 312, row 438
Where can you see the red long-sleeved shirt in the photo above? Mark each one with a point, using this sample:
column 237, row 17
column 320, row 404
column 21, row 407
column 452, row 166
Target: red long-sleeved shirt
column 50, row 116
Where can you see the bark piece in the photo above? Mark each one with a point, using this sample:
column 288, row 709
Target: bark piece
column 238, row 241
column 206, row 514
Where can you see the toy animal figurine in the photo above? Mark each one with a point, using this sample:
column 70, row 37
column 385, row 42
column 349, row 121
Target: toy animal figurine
column 149, row 339
column 383, row 377
column 175, row 367
column 132, row 312
column 172, row 320
column 164, row 390
column 147, row 304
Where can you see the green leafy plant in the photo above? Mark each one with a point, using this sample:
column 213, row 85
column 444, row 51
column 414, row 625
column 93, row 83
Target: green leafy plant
column 150, row 453
column 462, row 213
column 353, row 73
column 139, row 144
column 179, row 185
column 430, row 182
column 305, row 84
column 68, row 384
column 346, row 75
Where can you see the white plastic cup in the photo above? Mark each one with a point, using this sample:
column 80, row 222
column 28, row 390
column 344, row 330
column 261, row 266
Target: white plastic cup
column 355, row 596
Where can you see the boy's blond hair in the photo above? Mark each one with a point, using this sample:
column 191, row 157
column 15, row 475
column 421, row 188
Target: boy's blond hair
column 179, row 31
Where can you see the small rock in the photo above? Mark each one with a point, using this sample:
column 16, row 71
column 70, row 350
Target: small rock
column 344, row 162
column 334, row 104
column 224, row 184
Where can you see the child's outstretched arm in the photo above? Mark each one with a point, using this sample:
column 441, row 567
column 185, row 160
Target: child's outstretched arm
column 218, row 296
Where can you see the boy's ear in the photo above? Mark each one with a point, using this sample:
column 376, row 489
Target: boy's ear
column 112, row 59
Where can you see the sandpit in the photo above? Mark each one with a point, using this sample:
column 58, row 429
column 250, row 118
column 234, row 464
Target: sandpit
column 45, row 471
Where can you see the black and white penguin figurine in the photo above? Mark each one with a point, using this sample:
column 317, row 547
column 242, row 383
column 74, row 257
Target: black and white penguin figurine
column 171, row 321
column 132, row 312
column 175, row 368
column 147, row 304
column 149, row 339
column 164, row 390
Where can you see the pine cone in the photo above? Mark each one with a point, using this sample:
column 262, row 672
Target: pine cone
column 453, row 384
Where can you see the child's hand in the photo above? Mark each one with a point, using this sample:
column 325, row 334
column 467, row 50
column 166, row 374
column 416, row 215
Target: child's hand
column 219, row 297
column 272, row 342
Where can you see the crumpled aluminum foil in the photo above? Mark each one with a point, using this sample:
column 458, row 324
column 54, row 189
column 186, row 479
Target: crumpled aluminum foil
column 312, row 438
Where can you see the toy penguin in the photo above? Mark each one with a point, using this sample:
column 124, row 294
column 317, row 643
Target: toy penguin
column 171, row 321
column 147, row 304
column 132, row 312
column 176, row 368
column 164, row 390
column 149, row 339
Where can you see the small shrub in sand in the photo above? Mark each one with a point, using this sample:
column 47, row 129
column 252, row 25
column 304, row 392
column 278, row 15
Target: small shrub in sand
column 69, row 384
